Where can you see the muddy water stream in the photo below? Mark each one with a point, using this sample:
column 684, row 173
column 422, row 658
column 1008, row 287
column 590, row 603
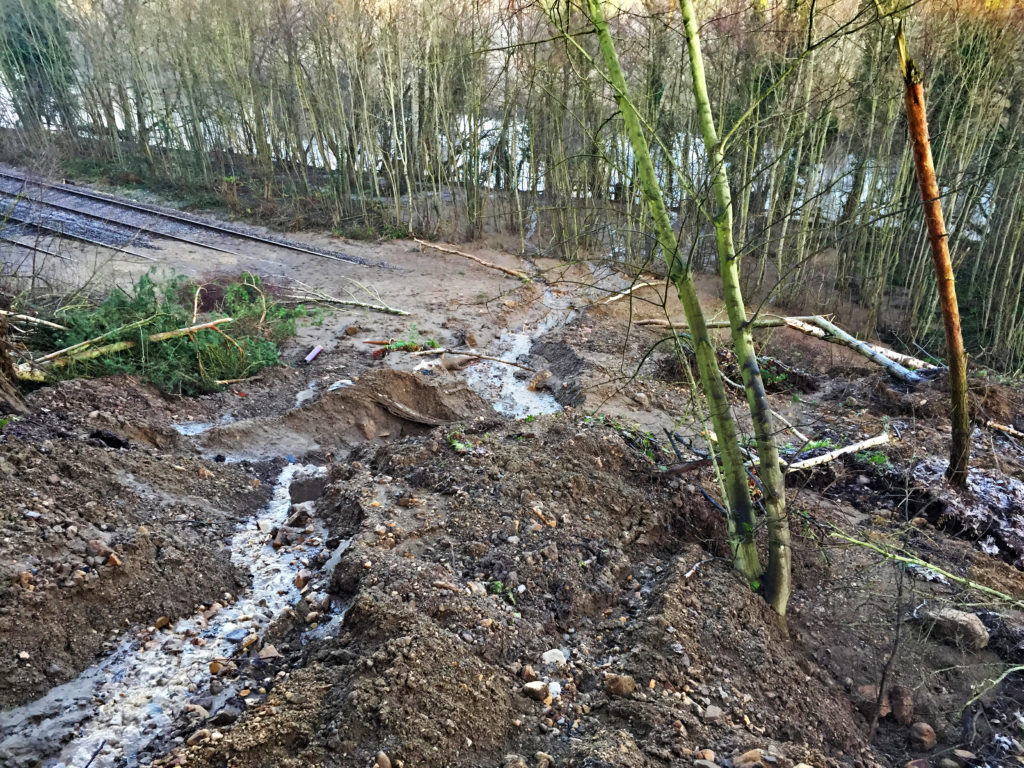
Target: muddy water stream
column 118, row 707
column 505, row 385
column 114, row 710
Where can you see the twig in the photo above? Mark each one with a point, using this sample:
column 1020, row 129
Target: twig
column 119, row 346
column 477, row 259
column 33, row 320
column 323, row 298
column 685, row 467
column 628, row 292
column 696, row 567
column 96, row 753
column 887, row 667
column 1004, row 428
column 908, row 560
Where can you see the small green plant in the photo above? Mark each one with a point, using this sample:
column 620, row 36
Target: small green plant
column 458, row 442
column 4, row 421
column 816, row 444
column 497, row 587
column 412, row 342
column 876, row 458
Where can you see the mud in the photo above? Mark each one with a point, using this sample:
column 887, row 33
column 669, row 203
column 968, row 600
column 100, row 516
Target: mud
column 471, row 535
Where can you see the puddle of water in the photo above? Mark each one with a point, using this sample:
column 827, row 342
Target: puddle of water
column 193, row 428
column 305, row 395
column 129, row 698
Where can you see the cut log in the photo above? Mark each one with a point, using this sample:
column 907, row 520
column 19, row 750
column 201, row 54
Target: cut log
column 1004, row 428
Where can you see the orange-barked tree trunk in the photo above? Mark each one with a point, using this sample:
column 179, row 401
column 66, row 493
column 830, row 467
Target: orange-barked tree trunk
column 913, row 97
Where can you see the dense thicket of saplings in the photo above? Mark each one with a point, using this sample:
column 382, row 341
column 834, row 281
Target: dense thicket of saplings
column 459, row 116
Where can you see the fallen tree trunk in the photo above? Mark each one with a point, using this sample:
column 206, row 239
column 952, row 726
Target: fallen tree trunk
column 79, row 352
column 477, row 259
column 868, row 350
column 32, row 320
column 825, row 458
column 897, row 363
column 628, row 292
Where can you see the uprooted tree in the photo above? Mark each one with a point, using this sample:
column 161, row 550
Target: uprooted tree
column 741, row 519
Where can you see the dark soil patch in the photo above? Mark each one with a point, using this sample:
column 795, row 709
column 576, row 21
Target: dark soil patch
column 93, row 538
column 465, row 569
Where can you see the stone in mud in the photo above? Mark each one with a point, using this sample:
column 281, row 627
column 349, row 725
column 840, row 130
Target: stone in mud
column 544, row 760
column 226, row 716
column 750, row 759
column 958, row 628
column 199, row 736
column 269, row 652
column 713, row 714
column 162, row 622
column 237, row 635
column 537, row 690
column 308, row 488
column 922, row 737
column 541, row 380
column 218, row 667
column 98, row 548
column 382, row 760
column 554, row 657
column 619, row 685
column 285, row 536
column 302, row 578
column 865, row 698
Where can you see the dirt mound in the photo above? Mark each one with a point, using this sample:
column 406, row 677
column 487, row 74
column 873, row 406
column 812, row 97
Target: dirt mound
column 384, row 403
column 535, row 593
column 93, row 537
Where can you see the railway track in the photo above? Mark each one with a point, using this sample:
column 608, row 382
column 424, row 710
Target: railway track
column 137, row 217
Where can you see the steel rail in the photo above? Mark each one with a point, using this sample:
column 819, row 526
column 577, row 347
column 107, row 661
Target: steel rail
column 71, row 236
column 108, row 220
column 192, row 221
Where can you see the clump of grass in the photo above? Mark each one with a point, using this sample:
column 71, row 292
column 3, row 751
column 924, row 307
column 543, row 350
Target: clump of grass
column 190, row 364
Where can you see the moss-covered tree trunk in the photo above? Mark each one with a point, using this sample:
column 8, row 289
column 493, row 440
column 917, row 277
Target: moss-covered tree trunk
column 741, row 518
column 777, row 577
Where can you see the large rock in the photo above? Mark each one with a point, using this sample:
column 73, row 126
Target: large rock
column 922, row 737
column 619, row 685
column 959, row 628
